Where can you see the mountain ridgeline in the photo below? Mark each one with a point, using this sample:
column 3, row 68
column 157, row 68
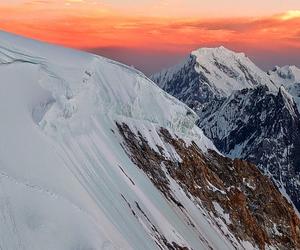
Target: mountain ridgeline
column 247, row 113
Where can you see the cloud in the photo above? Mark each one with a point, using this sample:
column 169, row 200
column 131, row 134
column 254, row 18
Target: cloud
column 292, row 14
column 101, row 27
column 160, row 41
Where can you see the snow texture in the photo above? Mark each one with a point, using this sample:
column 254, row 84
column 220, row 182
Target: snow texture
column 65, row 180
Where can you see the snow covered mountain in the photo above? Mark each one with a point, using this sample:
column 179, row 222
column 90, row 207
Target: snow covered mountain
column 289, row 77
column 211, row 73
column 248, row 113
column 93, row 155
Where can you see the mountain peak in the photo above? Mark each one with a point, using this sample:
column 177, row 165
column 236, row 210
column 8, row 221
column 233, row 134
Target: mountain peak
column 217, row 52
column 287, row 74
column 217, row 72
column 247, row 112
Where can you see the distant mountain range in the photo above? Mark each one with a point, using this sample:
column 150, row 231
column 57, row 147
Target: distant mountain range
column 248, row 113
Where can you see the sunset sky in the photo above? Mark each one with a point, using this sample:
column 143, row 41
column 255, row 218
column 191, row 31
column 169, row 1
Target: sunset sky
column 151, row 34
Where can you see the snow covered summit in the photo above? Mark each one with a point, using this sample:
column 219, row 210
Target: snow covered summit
column 210, row 73
column 229, row 71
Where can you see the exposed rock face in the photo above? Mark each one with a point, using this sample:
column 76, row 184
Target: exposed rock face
column 186, row 83
column 243, row 114
column 262, row 128
column 232, row 190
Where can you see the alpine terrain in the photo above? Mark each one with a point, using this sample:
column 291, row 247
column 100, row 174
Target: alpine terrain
column 94, row 155
column 246, row 112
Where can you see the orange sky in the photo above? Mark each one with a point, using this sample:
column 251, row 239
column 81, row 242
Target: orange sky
column 173, row 27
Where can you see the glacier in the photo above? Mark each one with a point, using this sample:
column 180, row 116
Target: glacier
column 65, row 180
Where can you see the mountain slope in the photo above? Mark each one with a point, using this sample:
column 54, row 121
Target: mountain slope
column 248, row 113
column 263, row 128
column 58, row 108
column 93, row 155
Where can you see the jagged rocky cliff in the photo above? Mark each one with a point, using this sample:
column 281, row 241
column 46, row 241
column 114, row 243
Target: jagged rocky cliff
column 248, row 113
column 245, row 203
column 262, row 128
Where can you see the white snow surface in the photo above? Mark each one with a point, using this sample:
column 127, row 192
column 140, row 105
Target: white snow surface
column 289, row 77
column 287, row 74
column 65, row 181
column 231, row 76
column 225, row 71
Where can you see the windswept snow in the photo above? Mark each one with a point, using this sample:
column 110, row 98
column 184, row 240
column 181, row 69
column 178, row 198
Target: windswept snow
column 65, row 180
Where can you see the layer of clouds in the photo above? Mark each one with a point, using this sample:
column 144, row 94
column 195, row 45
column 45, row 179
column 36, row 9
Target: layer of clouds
column 151, row 43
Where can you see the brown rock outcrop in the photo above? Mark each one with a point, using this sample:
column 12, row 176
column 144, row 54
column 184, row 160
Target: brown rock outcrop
column 257, row 211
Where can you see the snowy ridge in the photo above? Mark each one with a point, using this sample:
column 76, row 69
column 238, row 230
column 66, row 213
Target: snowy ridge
column 287, row 74
column 67, row 182
column 89, row 77
column 92, row 154
column 289, row 77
